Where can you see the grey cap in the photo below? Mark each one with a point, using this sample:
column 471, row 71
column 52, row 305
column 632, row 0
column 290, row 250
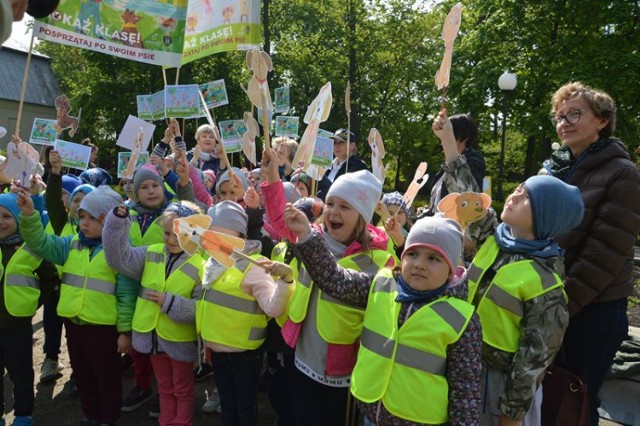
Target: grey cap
column 230, row 215
column 441, row 234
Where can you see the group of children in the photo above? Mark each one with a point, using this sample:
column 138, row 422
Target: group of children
column 381, row 320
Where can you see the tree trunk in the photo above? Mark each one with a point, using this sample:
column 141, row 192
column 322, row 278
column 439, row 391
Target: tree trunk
column 356, row 122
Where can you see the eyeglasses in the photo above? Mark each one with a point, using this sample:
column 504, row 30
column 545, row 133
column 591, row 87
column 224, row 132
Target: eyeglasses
column 571, row 118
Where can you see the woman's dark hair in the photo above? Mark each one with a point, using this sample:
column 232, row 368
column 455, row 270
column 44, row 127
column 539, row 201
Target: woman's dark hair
column 46, row 162
column 465, row 129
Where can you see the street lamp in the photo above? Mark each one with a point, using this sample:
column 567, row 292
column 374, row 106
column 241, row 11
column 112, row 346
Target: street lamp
column 507, row 83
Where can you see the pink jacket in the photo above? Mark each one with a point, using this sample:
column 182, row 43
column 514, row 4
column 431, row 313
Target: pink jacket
column 274, row 202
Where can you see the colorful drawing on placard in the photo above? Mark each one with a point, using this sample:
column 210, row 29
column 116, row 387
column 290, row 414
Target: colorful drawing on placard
column 182, row 101
column 287, row 126
column 282, row 100
column 156, row 105
column 123, row 160
column 73, row 155
column 43, row 132
column 214, row 93
column 144, row 110
column 322, row 152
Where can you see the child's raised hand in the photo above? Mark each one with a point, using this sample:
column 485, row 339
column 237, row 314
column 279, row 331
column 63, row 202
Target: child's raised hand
column 442, row 125
column 182, row 169
column 394, row 229
column 270, row 161
column 173, row 123
column 55, row 161
column 155, row 296
column 296, row 221
column 196, row 155
column 25, row 203
column 238, row 189
column 159, row 163
column 278, row 270
column 124, row 343
column 252, row 198
column 122, row 211
column 37, row 185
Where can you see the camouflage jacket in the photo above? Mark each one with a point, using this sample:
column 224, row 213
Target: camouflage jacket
column 544, row 322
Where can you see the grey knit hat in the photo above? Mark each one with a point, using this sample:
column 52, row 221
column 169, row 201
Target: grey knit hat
column 145, row 172
column 100, row 201
column 441, row 234
column 361, row 189
column 225, row 177
column 230, row 215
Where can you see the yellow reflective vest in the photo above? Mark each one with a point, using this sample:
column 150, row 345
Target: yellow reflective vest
column 67, row 230
column 180, row 282
column 337, row 322
column 21, row 286
column 88, row 288
column 501, row 306
column 227, row 315
column 153, row 235
column 405, row 367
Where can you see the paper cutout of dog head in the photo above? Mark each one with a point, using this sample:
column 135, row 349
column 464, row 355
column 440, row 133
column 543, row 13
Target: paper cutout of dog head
column 465, row 208
column 258, row 89
column 22, row 162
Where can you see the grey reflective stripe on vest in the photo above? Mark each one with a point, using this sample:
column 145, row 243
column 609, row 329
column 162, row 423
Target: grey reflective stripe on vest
column 31, row 252
column 547, row 279
column 377, row 343
column 257, row 333
column 421, row 360
column 21, row 281
column 365, row 263
column 242, row 265
column 327, row 298
column 405, row 355
column 474, row 273
column 92, row 283
column 386, row 285
column 279, row 249
column 232, row 302
column 76, row 245
column 154, row 257
column 504, row 300
column 191, row 271
column 450, row 314
column 304, row 278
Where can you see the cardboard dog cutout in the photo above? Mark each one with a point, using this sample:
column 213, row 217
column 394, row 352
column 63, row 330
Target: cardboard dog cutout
column 420, row 178
column 465, row 208
column 248, row 140
column 65, row 121
column 377, row 154
column 22, row 162
column 258, row 89
column 317, row 113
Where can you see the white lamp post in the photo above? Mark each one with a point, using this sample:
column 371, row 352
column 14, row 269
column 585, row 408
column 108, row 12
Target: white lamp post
column 507, row 83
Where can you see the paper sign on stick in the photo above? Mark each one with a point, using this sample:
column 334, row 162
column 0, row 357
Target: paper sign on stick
column 182, row 101
column 449, row 34
column 317, row 113
column 287, row 126
column 22, row 162
column 130, row 131
column 123, row 160
column 214, row 93
column 322, row 152
column 282, row 99
column 43, row 132
column 73, row 155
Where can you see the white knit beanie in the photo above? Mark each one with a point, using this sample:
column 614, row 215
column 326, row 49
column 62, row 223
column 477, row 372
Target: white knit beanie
column 361, row 189
column 100, row 201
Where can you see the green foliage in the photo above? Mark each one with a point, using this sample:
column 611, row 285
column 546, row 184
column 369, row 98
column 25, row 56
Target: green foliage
column 390, row 50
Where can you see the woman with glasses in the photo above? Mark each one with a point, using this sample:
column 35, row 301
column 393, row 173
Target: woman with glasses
column 599, row 252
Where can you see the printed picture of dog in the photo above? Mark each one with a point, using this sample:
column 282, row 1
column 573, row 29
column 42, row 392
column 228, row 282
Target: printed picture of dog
column 65, row 121
column 130, row 34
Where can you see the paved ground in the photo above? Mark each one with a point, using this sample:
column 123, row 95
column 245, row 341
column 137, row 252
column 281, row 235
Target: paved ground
column 54, row 408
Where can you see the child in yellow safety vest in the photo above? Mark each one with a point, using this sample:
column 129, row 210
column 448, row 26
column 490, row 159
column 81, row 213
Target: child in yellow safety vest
column 324, row 331
column 26, row 280
column 232, row 315
column 420, row 349
column 519, row 296
column 96, row 302
column 164, row 320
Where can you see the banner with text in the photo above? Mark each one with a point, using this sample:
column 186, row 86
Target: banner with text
column 161, row 32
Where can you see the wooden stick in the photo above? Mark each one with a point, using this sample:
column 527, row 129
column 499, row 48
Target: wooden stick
column 177, row 75
column 265, row 122
column 444, row 95
column 164, row 75
column 249, row 258
column 25, row 79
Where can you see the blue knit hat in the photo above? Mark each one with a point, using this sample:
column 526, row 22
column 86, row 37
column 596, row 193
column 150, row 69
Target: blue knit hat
column 85, row 188
column 555, row 206
column 70, row 182
column 9, row 201
column 96, row 177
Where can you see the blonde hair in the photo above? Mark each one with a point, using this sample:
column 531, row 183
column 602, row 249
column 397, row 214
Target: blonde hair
column 205, row 128
column 362, row 234
column 290, row 144
column 602, row 105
